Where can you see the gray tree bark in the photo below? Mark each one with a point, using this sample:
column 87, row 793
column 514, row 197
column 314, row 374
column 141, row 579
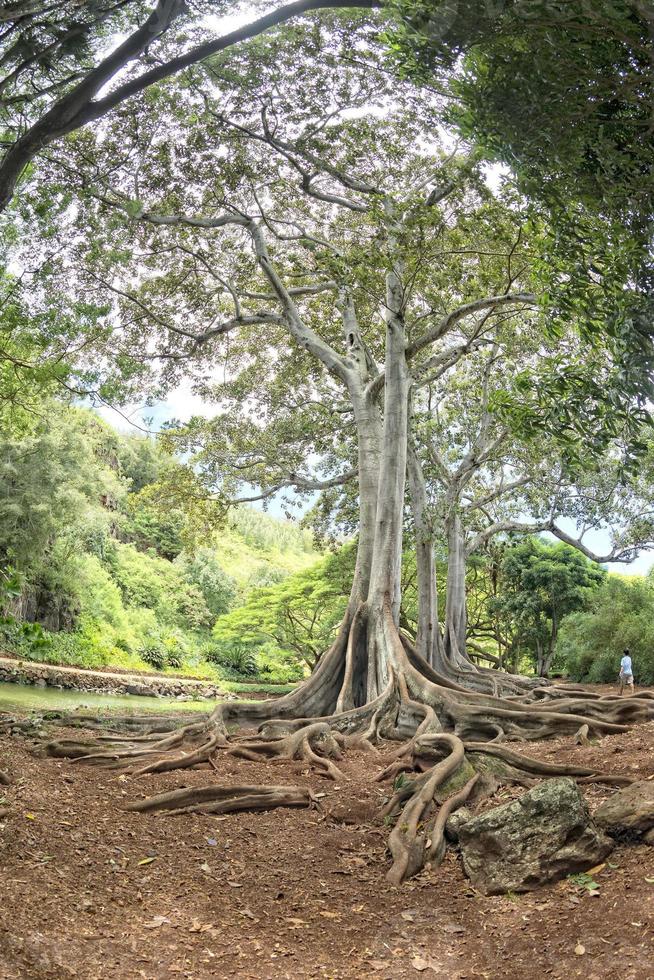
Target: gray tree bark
column 455, row 604
column 429, row 640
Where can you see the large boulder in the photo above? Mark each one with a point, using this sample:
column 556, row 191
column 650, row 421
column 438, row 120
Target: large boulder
column 541, row 837
column 630, row 809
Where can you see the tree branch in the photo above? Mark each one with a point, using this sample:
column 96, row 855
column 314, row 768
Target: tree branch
column 448, row 322
column 499, row 491
column 616, row 554
column 79, row 107
column 298, row 482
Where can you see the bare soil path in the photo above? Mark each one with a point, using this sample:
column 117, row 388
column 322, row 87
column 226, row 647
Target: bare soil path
column 88, row 890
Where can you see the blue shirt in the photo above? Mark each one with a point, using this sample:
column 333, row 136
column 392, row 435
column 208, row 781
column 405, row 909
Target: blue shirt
column 625, row 665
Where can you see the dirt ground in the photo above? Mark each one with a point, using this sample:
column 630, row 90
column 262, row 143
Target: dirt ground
column 88, row 890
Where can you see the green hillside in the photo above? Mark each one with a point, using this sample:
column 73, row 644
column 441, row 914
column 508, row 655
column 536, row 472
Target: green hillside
column 100, row 572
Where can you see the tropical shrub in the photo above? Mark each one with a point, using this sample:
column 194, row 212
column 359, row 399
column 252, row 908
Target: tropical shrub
column 590, row 644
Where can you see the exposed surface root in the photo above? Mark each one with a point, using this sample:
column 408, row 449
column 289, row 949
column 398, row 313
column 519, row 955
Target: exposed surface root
column 545, row 769
column 418, row 831
column 436, row 850
column 113, row 752
column 224, row 799
column 203, row 753
column 581, row 737
column 418, row 837
column 371, row 687
column 148, row 724
column 314, row 743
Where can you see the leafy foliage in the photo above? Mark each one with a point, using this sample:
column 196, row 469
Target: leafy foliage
column 86, row 556
column 561, row 94
column 299, row 616
column 620, row 614
column 541, row 584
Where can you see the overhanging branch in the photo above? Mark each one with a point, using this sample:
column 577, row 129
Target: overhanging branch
column 449, row 321
column 79, row 106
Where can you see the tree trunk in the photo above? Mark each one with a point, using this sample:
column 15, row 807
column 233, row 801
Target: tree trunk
column 455, row 604
column 429, row 641
column 548, row 657
column 385, row 584
column 369, row 436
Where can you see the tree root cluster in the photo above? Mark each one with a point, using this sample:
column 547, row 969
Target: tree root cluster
column 452, row 773
column 451, row 741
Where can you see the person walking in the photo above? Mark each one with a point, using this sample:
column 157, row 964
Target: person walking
column 626, row 672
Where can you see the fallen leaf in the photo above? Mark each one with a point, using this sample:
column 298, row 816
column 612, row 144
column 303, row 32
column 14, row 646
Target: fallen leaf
column 596, row 870
column 197, row 926
column 579, row 949
column 205, row 867
column 419, row 964
column 30, row 816
column 146, row 861
column 331, row 915
column 234, row 884
column 159, row 920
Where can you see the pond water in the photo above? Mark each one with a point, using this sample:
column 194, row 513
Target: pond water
column 24, row 697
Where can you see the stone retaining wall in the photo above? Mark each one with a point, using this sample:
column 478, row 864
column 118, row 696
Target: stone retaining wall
column 49, row 675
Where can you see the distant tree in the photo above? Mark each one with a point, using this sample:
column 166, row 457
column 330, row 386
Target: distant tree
column 50, row 481
column 152, row 526
column 301, row 614
column 541, row 584
column 202, row 568
column 141, row 460
column 54, row 485
column 620, row 614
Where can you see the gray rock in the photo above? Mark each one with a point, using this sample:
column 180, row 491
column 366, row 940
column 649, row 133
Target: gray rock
column 542, row 837
column 138, row 689
column 631, row 808
column 41, row 682
column 456, row 821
